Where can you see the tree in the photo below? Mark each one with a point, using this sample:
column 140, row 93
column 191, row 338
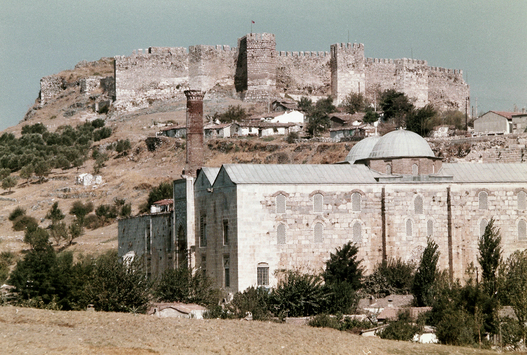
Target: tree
column 490, row 256
column 163, row 191
column 182, row 285
column 27, row 172
column 395, row 105
column 420, row 120
column 8, row 183
column 42, row 169
column 5, row 172
column 370, row 116
column 75, row 230
column 343, row 266
column 233, row 114
column 55, row 214
column 80, row 210
column 305, row 104
column 354, row 102
column 426, row 275
column 58, row 231
column 514, row 289
column 318, row 116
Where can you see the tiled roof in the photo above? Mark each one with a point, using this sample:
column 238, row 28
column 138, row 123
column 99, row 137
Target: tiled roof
column 299, row 174
column 489, row 172
column 165, row 202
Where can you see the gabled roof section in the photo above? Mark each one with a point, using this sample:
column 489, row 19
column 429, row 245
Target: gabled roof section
column 507, row 115
column 299, row 174
column 490, row 172
column 210, row 173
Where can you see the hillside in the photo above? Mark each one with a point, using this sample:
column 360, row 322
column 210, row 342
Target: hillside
column 131, row 176
column 33, row 331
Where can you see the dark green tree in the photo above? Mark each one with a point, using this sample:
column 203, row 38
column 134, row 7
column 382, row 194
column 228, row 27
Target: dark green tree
column 395, row 105
column 343, row 266
column 9, row 182
column 318, row 117
column 354, row 102
column 163, row 191
column 232, row 114
column 182, row 285
column 370, row 115
column 55, row 213
column 80, row 210
column 426, row 275
column 421, row 120
column 305, row 104
column 490, row 256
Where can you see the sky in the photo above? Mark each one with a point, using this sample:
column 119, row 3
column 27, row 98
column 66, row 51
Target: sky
column 487, row 39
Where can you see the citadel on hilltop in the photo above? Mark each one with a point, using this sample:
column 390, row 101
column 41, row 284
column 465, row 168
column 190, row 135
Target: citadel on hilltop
column 256, row 71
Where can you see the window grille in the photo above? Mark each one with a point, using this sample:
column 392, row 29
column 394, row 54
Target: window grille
column 319, row 233
column 522, row 205
column 409, row 227
column 356, row 201
column 280, row 234
column 357, row 232
column 203, row 231
column 522, row 230
column 226, row 271
column 318, row 201
column 430, row 228
column 418, row 205
column 225, row 232
column 280, row 204
column 262, row 274
column 482, row 227
column 483, row 200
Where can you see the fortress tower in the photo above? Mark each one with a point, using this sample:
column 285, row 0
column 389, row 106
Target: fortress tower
column 347, row 70
column 258, row 61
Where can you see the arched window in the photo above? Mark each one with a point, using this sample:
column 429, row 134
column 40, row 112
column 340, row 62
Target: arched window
column 318, row 230
column 280, row 234
column 482, row 226
column 430, row 228
column 522, row 230
column 409, row 227
column 318, row 201
column 280, row 204
column 357, row 232
column 522, row 205
column 418, row 204
column 483, row 200
column 356, row 201
column 415, row 169
column 388, row 169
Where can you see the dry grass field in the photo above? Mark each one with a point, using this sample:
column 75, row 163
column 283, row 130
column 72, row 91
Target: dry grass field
column 32, row 331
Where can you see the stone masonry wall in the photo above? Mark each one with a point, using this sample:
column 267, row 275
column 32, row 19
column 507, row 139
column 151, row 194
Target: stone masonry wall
column 148, row 236
column 412, row 79
column 446, row 89
column 50, row 87
column 380, row 75
column 301, row 73
column 347, row 70
column 261, row 66
column 156, row 74
column 210, row 66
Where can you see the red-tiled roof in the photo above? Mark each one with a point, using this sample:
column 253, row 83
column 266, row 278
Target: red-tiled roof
column 164, row 202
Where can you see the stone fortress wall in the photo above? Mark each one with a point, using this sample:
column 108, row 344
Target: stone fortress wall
column 255, row 71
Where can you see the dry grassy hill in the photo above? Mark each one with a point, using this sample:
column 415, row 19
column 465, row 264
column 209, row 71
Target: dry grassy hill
column 33, row 331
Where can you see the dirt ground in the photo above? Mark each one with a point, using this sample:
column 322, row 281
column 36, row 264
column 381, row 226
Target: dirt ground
column 31, row 331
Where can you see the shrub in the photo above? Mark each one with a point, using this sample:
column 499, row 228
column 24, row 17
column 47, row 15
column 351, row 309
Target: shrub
column 426, row 275
column 181, row 285
column 252, row 300
column 343, row 266
column 325, row 321
column 394, row 276
column 80, row 210
column 17, row 212
column 292, row 137
column 163, row 191
column 24, row 222
column 299, row 295
column 456, row 328
column 401, row 329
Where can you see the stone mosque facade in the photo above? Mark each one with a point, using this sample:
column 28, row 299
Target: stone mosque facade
column 240, row 223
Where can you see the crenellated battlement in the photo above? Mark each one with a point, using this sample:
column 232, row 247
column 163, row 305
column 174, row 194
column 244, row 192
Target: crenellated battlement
column 254, row 70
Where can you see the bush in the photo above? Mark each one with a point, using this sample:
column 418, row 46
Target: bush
column 401, row 329
column 292, row 137
column 17, row 212
column 343, row 266
column 163, row 191
column 299, row 295
column 456, row 328
column 394, row 276
column 24, row 222
column 181, row 285
column 253, row 300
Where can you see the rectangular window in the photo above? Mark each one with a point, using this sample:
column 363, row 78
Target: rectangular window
column 226, row 271
column 225, row 232
column 262, row 276
column 203, row 231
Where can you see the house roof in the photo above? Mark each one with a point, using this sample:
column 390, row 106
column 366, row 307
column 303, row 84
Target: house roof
column 260, row 124
column 299, row 173
column 165, row 202
column 288, row 104
column 266, row 115
column 172, row 127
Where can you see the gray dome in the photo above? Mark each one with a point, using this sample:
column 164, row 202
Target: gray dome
column 401, row 143
column 362, row 149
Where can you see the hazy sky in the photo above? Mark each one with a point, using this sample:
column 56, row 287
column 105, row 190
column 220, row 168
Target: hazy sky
column 485, row 38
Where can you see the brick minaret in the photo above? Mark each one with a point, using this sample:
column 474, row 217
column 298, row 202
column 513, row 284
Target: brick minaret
column 194, row 132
